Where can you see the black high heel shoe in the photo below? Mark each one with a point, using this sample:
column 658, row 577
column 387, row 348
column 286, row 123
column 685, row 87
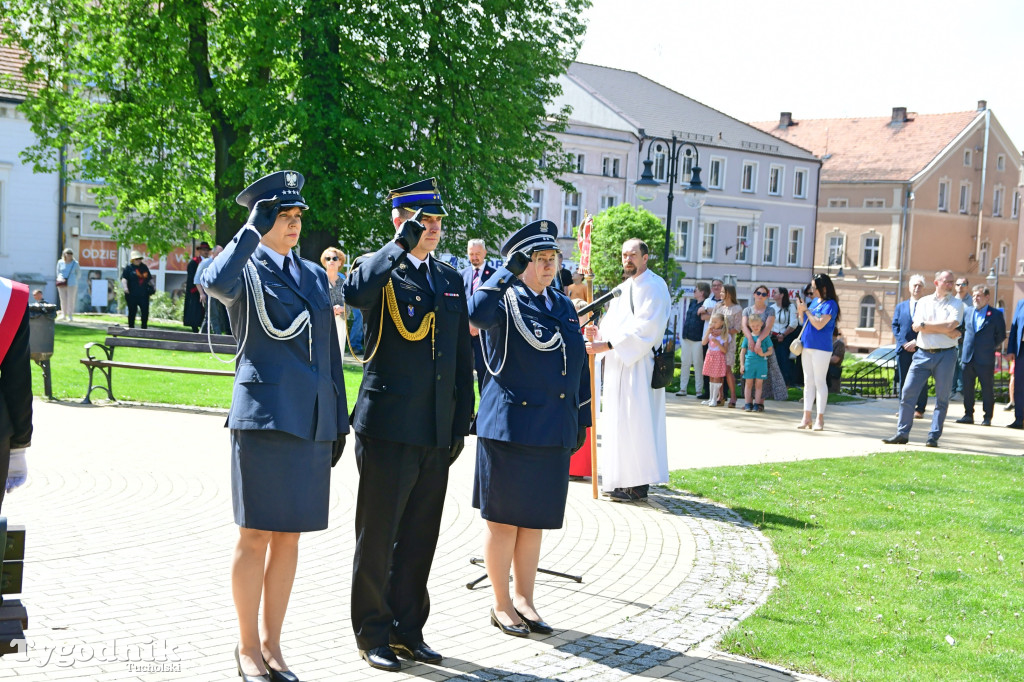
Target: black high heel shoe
column 517, row 630
column 537, row 626
column 280, row 675
column 249, row 678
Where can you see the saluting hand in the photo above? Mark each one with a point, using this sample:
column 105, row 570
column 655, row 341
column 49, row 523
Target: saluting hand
column 410, row 232
column 517, row 263
column 264, row 215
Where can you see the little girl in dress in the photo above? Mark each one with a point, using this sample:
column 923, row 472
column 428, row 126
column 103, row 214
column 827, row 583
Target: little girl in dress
column 717, row 340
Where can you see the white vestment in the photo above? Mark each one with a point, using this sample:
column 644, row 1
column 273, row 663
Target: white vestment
column 634, row 449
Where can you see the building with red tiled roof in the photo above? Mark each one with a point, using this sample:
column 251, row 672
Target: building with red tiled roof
column 910, row 194
column 12, row 85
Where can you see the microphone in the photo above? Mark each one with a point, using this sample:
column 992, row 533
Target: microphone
column 599, row 301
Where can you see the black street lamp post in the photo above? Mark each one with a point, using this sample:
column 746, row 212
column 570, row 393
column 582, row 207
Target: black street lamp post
column 694, row 192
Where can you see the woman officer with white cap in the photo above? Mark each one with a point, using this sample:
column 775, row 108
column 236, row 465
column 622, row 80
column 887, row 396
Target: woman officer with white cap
column 532, row 417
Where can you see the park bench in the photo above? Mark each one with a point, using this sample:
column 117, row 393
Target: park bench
column 100, row 356
column 13, row 616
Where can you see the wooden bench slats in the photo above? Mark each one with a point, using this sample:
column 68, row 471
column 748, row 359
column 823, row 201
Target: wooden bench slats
column 169, row 335
column 158, row 368
column 188, row 346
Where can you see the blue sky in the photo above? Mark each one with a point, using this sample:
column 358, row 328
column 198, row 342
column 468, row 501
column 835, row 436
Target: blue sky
column 821, row 58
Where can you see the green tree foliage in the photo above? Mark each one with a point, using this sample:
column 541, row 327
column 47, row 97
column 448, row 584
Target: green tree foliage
column 174, row 106
column 612, row 227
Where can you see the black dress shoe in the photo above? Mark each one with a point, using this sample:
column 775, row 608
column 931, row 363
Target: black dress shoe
column 381, row 658
column 896, row 440
column 517, row 630
column 986, row 422
column 249, row 678
column 965, row 420
column 281, row 675
column 932, row 442
column 1015, row 425
column 420, row 653
column 619, row 495
column 537, row 626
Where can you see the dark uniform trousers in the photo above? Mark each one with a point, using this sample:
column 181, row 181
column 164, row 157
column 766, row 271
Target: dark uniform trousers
column 15, row 400
column 416, row 397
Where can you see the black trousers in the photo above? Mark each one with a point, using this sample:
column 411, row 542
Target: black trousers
column 5, row 467
column 903, row 360
column 985, row 375
column 140, row 304
column 482, row 375
column 398, row 518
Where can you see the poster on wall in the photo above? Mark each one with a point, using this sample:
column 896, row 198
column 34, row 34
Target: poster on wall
column 97, row 253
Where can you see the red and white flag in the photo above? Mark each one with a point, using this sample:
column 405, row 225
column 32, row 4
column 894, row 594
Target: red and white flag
column 583, row 242
column 13, row 304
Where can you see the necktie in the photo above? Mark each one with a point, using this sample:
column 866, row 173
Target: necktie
column 422, row 269
column 286, row 267
column 476, row 280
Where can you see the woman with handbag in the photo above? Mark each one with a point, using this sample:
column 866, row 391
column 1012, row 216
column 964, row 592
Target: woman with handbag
column 784, row 331
column 137, row 283
column 820, row 319
column 67, row 283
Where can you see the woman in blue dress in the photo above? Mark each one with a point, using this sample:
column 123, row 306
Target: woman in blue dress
column 532, row 417
column 819, row 320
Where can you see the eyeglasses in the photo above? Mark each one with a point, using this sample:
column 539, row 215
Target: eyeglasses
column 760, row 293
column 332, row 258
column 961, row 284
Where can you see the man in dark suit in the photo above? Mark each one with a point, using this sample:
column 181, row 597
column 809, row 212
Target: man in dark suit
column 906, row 339
column 984, row 331
column 15, row 375
column 1014, row 345
column 564, row 278
column 476, row 274
column 413, row 412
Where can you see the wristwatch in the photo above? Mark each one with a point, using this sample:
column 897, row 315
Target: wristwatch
column 610, row 346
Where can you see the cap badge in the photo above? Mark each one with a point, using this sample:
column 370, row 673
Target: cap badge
column 543, row 227
column 291, row 180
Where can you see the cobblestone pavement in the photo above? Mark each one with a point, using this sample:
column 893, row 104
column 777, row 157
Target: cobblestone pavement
column 130, row 539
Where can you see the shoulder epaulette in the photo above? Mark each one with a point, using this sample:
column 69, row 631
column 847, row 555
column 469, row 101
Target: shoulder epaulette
column 447, row 265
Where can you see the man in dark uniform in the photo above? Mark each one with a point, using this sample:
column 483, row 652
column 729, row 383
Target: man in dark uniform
column 194, row 312
column 15, row 375
column 476, row 274
column 412, row 414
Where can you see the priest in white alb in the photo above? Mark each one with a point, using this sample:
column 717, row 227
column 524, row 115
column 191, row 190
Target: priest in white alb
column 634, row 451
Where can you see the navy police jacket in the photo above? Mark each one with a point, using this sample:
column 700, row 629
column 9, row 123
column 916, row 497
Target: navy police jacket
column 278, row 386
column 413, row 392
column 531, row 401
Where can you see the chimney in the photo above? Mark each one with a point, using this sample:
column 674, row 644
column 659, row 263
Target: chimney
column 786, row 119
column 982, row 105
column 899, row 115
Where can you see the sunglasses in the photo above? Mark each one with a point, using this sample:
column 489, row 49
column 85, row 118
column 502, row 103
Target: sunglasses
column 961, row 284
column 332, row 258
column 760, row 293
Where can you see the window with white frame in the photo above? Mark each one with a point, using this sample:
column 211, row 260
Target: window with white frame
column 1015, row 206
column 771, row 244
column 660, row 162
column 775, row 174
column 1004, row 258
column 683, row 234
column 686, row 170
column 1000, row 163
column 748, row 181
column 967, row 157
column 610, row 166
column 580, row 163
column 874, row 203
column 867, row 312
column 742, row 233
column 836, row 246
column 707, row 247
column 838, row 203
column 983, row 257
column 608, row 200
column 872, row 252
column 965, row 197
column 536, row 205
column 944, row 196
column 716, row 173
column 542, row 162
column 794, row 247
column 570, row 212
column 997, row 201
column 800, row 183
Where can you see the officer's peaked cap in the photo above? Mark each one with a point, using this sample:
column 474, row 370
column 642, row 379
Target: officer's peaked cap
column 419, row 195
column 536, row 236
column 286, row 185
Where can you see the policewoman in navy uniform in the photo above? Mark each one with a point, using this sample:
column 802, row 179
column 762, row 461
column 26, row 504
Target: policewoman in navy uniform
column 534, row 413
column 413, row 412
column 288, row 416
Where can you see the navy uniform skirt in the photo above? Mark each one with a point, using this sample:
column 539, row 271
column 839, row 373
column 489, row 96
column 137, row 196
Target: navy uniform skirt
column 521, row 485
column 280, row 482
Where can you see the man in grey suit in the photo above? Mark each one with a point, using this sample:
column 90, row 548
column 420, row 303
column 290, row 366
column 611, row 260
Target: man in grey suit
column 984, row 331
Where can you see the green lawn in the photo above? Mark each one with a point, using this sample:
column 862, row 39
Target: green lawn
column 71, row 378
column 899, row 566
